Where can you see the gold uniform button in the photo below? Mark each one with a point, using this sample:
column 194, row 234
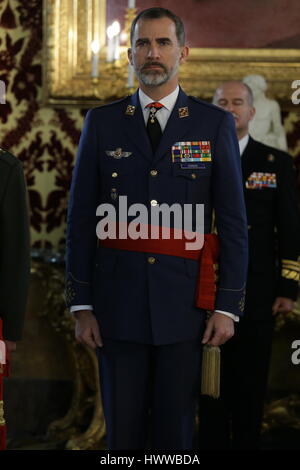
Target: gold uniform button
column 193, row 176
column 154, row 202
column 151, row 260
column 114, row 174
column 249, row 227
column 153, row 172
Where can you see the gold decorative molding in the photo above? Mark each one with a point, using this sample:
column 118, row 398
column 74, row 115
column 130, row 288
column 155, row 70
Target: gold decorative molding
column 71, row 25
column 2, row 420
column 282, row 319
column 208, row 67
column 282, row 414
column 83, row 426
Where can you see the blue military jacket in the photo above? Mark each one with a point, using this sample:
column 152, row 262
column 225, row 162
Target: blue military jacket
column 144, row 297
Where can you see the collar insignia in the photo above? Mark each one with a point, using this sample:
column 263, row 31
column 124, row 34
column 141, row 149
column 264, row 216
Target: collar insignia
column 183, row 112
column 130, row 110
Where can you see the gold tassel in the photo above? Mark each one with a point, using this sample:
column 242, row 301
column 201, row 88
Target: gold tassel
column 211, row 362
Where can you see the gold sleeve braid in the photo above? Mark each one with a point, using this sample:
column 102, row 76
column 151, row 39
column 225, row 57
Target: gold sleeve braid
column 290, row 269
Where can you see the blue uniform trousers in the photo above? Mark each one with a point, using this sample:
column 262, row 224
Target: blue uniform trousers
column 149, row 393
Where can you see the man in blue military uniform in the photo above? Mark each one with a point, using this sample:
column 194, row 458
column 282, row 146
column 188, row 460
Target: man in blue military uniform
column 137, row 308
column 272, row 286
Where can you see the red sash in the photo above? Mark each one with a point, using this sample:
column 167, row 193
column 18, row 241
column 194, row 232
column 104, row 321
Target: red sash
column 207, row 257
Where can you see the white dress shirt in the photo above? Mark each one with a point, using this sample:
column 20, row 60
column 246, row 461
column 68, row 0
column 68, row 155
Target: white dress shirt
column 243, row 143
column 164, row 113
column 162, row 116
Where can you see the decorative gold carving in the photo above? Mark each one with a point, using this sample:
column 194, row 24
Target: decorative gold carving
column 283, row 413
column 129, row 17
column 283, row 318
column 92, row 437
column 208, row 67
column 70, row 26
column 2, row 420
column 86, row 407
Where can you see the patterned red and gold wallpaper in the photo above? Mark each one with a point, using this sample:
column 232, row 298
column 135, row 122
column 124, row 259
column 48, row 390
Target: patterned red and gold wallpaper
column 46, row 139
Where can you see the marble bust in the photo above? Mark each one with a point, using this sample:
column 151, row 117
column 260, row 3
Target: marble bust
column 266, row 125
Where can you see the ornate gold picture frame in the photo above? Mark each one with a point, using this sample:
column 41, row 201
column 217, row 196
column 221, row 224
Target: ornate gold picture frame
column 70, row 26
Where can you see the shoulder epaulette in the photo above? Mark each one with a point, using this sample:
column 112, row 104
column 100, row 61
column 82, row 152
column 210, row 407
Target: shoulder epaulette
column 113, row 103
column 208, row 105
column 290, row 269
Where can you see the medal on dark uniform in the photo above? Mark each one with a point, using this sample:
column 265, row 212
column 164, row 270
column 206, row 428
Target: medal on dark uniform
column 152, row 114
column 154, row 107
column 113, row 193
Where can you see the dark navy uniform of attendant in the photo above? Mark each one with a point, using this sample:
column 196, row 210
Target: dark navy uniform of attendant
column 274, row 230
column 14, row 246
column 271, row 198
column 235, row 420
column 144, row 302
column 14, row 264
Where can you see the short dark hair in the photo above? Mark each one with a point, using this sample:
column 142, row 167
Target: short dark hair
column 155, row 13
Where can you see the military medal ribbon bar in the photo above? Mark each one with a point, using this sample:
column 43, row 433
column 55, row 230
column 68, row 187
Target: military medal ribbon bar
column 260, row 180
column 193, row 151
